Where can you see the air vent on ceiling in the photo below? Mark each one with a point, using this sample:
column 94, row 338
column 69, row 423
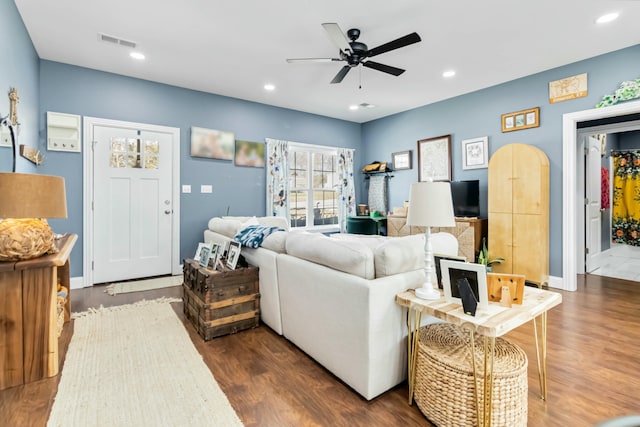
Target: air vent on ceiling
column 116, row 40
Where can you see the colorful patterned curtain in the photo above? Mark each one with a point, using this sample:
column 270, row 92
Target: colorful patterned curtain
column 346, row 190
column 625, row 215
column 277, row 178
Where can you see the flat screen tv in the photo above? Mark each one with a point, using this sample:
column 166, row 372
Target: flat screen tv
column 466, row 198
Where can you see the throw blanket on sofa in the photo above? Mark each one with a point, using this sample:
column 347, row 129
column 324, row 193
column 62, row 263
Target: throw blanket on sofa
column 253, row 235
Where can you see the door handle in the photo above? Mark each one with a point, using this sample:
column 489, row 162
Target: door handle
column 167, row 212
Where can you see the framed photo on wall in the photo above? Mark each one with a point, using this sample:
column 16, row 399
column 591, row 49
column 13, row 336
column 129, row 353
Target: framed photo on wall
column 475, row 153
column 401, row 160
column 434, row 158
column 249, row 154
column 212, row 144
column 519, row 120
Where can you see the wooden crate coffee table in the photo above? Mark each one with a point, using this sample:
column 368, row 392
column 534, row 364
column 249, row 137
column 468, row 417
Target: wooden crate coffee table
column 220, row 302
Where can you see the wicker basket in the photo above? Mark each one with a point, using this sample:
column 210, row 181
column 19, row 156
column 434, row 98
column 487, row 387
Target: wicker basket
column 444, row 388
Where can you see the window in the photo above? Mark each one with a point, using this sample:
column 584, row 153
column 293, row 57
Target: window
column 313, row 180
column 134, row 153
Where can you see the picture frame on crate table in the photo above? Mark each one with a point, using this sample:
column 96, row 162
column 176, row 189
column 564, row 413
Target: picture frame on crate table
column 233, row 254
column 205, row 254
column 216, row 250
column 201, row 245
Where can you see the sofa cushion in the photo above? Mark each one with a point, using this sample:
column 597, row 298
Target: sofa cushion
column 276, row 242
column 226, row 227
column 344, row 255
column 398, row 255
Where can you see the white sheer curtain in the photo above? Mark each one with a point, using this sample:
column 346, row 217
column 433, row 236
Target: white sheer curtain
column 277, row 178
column 346, row 188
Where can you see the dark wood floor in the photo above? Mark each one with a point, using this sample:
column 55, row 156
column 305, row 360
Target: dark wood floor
column 593, row 354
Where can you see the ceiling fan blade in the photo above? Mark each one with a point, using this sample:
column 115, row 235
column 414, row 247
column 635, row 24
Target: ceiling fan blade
column 294, row 60
column 384, row 68
column 395, row 44
column 343, row 72
column 337, row 36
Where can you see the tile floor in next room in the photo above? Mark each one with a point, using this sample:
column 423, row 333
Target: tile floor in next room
column 619, row 267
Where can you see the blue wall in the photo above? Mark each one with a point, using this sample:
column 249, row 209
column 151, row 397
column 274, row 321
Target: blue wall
column 75, row 90
column 18, row 68
column 47, row 86
column 478, row 114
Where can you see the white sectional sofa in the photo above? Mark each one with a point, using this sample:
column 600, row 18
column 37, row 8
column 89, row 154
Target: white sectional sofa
column 334, row 297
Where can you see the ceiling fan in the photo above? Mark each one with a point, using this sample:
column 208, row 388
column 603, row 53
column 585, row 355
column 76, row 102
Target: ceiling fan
column 356, row 53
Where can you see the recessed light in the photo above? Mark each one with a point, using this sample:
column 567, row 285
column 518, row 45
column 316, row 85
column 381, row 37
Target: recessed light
column 353, row 107
column 449, row 73
column 137, row 55
column 269, row 87
column 607, row 18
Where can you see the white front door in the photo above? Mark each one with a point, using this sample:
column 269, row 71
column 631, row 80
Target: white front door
column 132, row 210
column 592, row 205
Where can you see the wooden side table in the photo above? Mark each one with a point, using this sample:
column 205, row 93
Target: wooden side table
column 490, row 323
column 28, row 313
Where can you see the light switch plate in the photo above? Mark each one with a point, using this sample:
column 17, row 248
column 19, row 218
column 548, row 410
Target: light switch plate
column 186, row 188
column 206, row 188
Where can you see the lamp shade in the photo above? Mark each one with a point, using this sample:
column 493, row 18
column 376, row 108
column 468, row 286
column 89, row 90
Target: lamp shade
column 32, row 196
column 430, row 204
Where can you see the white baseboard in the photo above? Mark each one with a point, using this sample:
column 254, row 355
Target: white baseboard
column 556, row 282
column 77, row 282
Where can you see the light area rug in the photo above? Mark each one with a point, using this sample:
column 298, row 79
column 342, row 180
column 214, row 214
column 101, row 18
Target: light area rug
column 143, row 285
column 135, row 365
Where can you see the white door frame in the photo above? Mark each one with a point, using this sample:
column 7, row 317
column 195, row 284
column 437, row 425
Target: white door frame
column 88, row 187
column 573, row 194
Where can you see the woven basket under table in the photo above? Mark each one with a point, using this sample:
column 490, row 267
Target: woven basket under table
column 444, row 388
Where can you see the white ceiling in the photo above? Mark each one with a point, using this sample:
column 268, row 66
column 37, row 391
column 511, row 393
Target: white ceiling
column 233, row 48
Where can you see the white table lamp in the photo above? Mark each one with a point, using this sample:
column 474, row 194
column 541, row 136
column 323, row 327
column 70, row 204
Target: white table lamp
column 430, row 205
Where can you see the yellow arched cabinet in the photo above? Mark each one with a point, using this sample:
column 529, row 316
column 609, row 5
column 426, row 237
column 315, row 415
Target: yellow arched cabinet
column 518, row 205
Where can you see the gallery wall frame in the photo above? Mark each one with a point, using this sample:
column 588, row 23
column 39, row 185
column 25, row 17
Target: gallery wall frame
column 212, row 144
column 249, row 154
column 475, row 153
column 402, row 160
column 434, row 158
column 519, row 120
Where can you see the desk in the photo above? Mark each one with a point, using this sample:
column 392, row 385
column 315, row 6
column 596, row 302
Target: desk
column 28, row 312
column 491, row 323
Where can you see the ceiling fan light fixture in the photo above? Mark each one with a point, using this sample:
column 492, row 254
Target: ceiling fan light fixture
column 607, row 18
column 269, row 87
column 448, row 74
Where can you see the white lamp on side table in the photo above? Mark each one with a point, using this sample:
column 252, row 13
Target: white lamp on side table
column 430, row 205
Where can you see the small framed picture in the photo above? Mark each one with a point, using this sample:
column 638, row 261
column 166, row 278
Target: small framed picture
column 475, row 153
column 401, row 160
column 199, row 250
column 476, row 275
column 437, row 258
column 519, row 120
column 216, row 252
column 205, row 254
column 233, row 254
